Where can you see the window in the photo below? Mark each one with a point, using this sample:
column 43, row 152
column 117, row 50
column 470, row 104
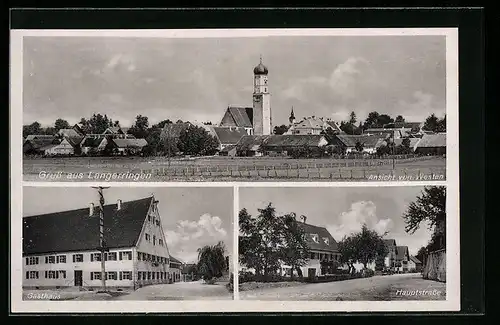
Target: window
column 144, row 275
column 126, row 275
column 152, row 275
column 160, row 241
column 50, row 259
column 149, row 275
column 148, row 237
column 154, row 240
column 32, row 260
column 61, row 259
column 110, row 256
column 77, row 258
column 51, row 274
column 127, row 256
column 111, row 276
column 149, row 218
column 31, row 274
column 95, row 276
column 95, row 257
column 158, row 275
column 62, row 274
column 139, row 255
column 139, row 275
column 157, row 222
column 315, row 238
column 326, row 240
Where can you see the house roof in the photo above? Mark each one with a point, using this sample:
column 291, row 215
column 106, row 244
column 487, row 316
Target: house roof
column 40, row 141
column 75, row 230
column 114, row 130
column 401, row 252
column 130, row 143
column 432, row 140
column 228, row 148
column 38, row 136
column 248, row 142
column 174, row 260
column 92, row 142
column 322, row 233
column 47, row 147
column 229, row 135
column 389, row 242
column 415, row 260
column 314, row 122
column 242, row 116
column 74, row 141
column 368, row 141
column 70, row 133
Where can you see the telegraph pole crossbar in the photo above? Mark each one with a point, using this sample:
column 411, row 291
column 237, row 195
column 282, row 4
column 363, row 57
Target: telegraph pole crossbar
column 102, row 242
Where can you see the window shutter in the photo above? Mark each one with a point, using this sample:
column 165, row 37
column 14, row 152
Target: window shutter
column 27, row 274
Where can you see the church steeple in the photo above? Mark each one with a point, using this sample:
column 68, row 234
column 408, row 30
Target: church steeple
column 291, row 119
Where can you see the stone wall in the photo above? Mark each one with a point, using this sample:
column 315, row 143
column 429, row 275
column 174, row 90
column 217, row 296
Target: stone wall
column 435, row 267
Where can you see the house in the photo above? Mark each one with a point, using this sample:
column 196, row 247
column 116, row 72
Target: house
column 390, row 258
column 63, row 147
column 313, row 125
column 349, row 142
column 241, row 117
column 402, row 259
column 414, row 264
column 228, row 151
column 74, row 132
column 189, row 272
column 397, row 142
column 254, row 145
column 33, row 143
column 431, row 144
column 116, row 132
column 175, row 270
column 61, row 249
column 125, row 147
column 322, row 248
column 93, row 145
column 228, row 136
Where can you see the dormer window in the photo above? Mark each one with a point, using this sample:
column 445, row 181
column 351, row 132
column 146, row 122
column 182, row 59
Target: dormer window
column 326, row 240
column 315, row 238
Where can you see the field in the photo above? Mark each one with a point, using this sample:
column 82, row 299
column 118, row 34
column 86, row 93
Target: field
column 157, row 169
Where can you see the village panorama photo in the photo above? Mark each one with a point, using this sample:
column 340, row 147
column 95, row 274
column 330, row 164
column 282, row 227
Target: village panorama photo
column 119, row 243
column 223, row 106
column 343, row 244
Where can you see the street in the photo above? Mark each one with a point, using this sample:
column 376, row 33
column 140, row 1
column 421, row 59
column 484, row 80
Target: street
column 377, row 288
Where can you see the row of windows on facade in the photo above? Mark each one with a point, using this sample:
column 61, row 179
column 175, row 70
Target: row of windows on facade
column 148, row 239
column 148, row 275
column 78, row 258
column 324, row 256
column 154, row 220
column 61, row 274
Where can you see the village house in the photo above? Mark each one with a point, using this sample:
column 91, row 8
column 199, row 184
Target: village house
column 349, row 143
column 414, row 264
column 61, row 249
column 311, row 125
column 60, row 147
column 322, row 247
column 175, row 269
column 253, row 145
column 35, row 142
column 402, row 259
column 93, row 145
column 125, row 147
column 431, row 144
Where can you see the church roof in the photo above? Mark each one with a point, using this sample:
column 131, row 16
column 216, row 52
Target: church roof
column 76, row 230
column 242, row 116
column 260, row 69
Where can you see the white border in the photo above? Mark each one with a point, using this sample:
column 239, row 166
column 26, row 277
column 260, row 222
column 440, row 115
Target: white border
column 452, row 182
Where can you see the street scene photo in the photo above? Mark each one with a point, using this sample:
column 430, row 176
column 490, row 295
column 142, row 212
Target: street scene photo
column 253, row 108
column 127, row 243
column 342, row 244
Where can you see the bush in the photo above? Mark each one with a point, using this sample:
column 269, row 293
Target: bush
column 368, row 273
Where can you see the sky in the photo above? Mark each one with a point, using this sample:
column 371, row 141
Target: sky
column 196, row 79
column 187, row 226
column 344, row 210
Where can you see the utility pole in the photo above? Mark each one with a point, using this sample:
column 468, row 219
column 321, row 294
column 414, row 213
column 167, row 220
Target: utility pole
column 102, row 243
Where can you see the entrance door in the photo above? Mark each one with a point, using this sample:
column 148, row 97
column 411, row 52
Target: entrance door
column 311, row 272
column 78, row 278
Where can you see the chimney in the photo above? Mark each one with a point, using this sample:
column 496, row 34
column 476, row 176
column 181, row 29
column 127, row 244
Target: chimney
column 118, row 205
column 91, row 209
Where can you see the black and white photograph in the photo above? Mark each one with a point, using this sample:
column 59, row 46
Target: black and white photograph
column 342, row 243
column 118, row 243
column 273, row 107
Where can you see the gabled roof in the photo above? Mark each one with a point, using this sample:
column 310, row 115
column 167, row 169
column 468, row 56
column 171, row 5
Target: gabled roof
column 401, row 252
column 432, row 140
column 415, row 260
column 322, row 233
column 75, row 230
column 38, row 136
column 228, row 148
column 114, row 130
column 74, row 141
column 229, row 135
column 92, row 142
column 130, row 143
column 70, row 133
column 314, row 122
column 368, row 141
column 242, row 116
column 38, row 142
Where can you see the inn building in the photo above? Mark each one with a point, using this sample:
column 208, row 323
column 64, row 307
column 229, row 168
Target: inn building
column 62, row 249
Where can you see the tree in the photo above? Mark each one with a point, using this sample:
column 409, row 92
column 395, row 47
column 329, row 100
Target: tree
column 352, row 118
column 348, row 252
column 211, row 261
column 359, row 146
column 431, row 123
column 97, row 124
column 179, row 121
column 33, row 128
column 155, row 144
column 161, row 124
column 441, row 125
column 140, row 127
column 279, row 130
column 294, row 251
column 399, row 119
column 371, row 120
column 61, row 124
column 196, row 141
column 429, row 207
column 384, row 119
column 369, row 246
column 422, row 254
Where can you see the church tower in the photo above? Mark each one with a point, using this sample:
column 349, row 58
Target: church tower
column 291, row 119
column 262, row 123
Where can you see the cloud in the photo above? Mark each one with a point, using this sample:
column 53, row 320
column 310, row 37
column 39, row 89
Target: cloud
column 361, row 212
column 188, row 236
column 419, row 103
